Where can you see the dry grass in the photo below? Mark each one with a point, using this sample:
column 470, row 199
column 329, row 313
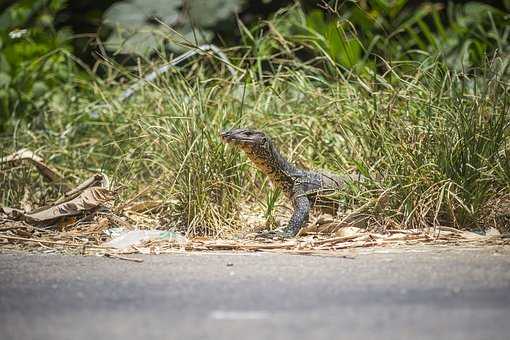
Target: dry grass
column 89, row 239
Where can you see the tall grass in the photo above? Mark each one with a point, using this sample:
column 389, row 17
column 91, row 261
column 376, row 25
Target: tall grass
column 432, row 144
column 439, row 143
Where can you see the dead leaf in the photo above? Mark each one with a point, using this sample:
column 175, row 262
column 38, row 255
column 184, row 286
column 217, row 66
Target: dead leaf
column 50, row 174
column 11, row 213
column 89, row 199
column 348, row 231
column 96, row 180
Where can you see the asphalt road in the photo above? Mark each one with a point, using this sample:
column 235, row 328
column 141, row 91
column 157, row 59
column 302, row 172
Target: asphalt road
column 420, row 294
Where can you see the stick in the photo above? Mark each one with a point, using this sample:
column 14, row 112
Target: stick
column 240, row 246
column 62, row 243
column 163, row 69
column 114, row 256
column 403, row 231
column 311, row 252
column 337, row 239
column 11, row 228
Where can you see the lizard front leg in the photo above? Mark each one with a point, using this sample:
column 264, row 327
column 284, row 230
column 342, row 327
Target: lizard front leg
column 299, row 218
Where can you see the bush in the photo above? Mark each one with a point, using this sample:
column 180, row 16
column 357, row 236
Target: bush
column 36, row 64
column 366, row 36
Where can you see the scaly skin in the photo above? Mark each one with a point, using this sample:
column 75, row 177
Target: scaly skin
column 300, row 186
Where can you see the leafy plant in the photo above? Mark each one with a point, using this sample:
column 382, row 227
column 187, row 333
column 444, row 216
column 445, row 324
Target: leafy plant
column 474, row 32
column 360, row 35
column 142, row 26
column 35, row 60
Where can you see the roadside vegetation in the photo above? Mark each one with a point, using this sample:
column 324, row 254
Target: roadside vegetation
column 417, row 101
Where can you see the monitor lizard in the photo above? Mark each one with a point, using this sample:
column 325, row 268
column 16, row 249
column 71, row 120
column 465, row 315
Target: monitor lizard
column 304, row 188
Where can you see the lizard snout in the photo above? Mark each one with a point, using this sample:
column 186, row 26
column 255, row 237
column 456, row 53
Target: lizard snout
column 226, row 136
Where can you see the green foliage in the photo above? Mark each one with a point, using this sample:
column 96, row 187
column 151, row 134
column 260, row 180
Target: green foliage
column 475, row 31
column 336, row 39
column 35, row 61
column 353, row 34
column 144, row 26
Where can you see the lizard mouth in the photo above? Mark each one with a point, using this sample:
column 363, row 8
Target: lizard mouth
column 243, row 138
column 229, row 137
column 234, row 139
column 225, row 135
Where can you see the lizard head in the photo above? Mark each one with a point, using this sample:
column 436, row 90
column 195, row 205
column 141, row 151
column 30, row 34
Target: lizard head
column 248, row 140
column 260, row 150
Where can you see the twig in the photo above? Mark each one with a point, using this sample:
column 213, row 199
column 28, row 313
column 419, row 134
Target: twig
column 311, row 252
column 11, row 228
column 114, row 256
column 337, row 239
column 163, row 69
column 62, row 243
column 454, row 230
column 245, row 246
column 403, row 231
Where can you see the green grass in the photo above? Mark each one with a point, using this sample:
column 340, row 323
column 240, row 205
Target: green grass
column 433, row 144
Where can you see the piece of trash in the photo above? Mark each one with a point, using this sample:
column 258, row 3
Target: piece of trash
column 135, row 237
column 492, row 232
column 114, row 232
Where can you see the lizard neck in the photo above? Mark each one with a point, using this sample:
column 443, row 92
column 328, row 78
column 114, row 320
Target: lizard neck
column 274, row 165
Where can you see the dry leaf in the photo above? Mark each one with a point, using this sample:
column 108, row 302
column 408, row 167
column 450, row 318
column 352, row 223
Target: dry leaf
column 89, row 199
column 50, row 174
column 348, row 231
column 11, row 213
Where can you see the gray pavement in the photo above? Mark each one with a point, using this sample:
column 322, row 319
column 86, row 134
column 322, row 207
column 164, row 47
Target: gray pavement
column 418, row 294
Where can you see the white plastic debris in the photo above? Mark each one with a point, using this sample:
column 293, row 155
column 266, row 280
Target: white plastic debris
column 114, row 232
column 135, row 237
column 492, row 232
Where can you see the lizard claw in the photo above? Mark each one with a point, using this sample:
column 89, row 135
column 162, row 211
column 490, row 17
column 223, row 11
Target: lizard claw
column 277, row 234
column 285, row 232
column 267, row 234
